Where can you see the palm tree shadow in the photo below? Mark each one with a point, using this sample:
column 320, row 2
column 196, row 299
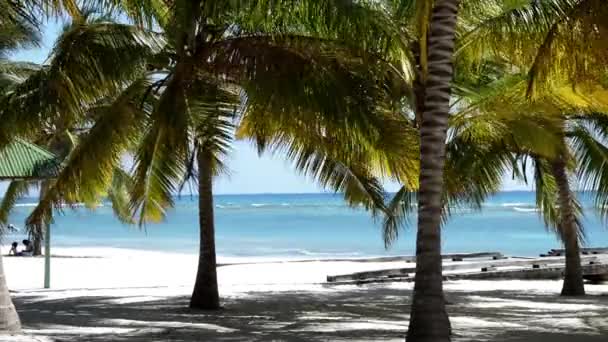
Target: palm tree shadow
column 360, row 314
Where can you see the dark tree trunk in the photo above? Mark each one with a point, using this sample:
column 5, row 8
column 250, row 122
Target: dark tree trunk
column 9, row 320
column 573, row 277
column 37, row 236
column 418, row 85
column 205, row 295
column 429, row 321
column 37, row 242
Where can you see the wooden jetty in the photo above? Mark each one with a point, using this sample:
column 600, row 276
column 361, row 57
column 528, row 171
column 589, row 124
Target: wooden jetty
column 492, row 257
column 508, row 268
column 406, row 258
column 584, row 251
column 550, row 272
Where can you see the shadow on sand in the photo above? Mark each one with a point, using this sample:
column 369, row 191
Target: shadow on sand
column 361, row 314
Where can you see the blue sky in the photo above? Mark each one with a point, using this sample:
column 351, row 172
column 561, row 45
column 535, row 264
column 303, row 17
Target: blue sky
column 249, row 172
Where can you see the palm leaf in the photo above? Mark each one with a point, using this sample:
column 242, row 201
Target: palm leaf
column 87, row 171
column 546, row 197
column 592, row 157
column 398, row 213
column 89, row 62
column 160, row 159
column 15, row 191
column 118, row 195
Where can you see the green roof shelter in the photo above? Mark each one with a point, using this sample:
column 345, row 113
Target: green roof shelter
column 21, row 160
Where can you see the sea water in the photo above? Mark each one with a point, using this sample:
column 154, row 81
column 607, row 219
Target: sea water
column 311, row 226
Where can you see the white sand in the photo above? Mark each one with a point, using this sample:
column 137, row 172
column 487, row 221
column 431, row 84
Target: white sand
column 129, row 295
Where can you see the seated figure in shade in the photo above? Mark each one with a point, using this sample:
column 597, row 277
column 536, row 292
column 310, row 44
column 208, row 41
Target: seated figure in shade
column 29, row 248
column 13, row 250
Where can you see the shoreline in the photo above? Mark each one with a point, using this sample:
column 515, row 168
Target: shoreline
column 95, row 251
column 94, row 267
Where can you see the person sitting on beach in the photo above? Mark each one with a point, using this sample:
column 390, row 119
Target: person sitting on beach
column 13, row 250
column 29, row 248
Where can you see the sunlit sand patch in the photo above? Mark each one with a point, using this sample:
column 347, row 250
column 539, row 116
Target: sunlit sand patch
column 168, row 324
column 351, row 325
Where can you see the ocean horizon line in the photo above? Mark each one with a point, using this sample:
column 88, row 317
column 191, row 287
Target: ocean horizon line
column 291, row 193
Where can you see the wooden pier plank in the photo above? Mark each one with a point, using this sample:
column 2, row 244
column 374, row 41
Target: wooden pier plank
column 395, row 272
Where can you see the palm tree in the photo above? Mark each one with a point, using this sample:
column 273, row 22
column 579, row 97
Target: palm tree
column 35, row 98
column 428, row 319
column 281, row 85
column 578, row 120
column 58, row 94
column 429, row 31
column 556, row 41
column 265, row 73
column 17, row 30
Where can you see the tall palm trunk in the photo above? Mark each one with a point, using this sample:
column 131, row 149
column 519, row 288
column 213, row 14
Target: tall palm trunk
column 205, row 295
column 37, row 242
column 429, row 321
column 37, row 235
column 9, row 320
column 573, row 278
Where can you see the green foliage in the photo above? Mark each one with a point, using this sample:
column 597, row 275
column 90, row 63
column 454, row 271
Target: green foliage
column 118, row 194
column 548, row 39
column 90, row 167
column 286, row 75
column 90, row 61
column 15, row 191
column 588, row 136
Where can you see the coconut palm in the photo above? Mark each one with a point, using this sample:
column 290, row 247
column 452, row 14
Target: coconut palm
column 250, row 70
column 289, row 89
column 431, row 26
column 579, row 121
column 38, row 98
column 57, row 94
column 16, row 30
column 481, row 147
column 555, row 41
column 428, row 319
column 423, row 54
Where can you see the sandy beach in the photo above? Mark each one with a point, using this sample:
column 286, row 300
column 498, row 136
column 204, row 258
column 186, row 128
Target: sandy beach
column 131, row 295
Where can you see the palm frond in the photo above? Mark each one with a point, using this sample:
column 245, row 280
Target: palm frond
column 474, row 170
column 87, row 171
column 89, row 62
column 336, row 171
column 160, row 158
column 592, row 157
column 15, row 191
column 214, row 111
column 14, row 73
column 398, row 213
column 19, row 26
column 118, row 195
column 366, row 24
column 297, row 80
column 546, row 38
column 546, row 193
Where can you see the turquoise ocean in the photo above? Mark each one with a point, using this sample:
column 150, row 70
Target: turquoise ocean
column 311, row 226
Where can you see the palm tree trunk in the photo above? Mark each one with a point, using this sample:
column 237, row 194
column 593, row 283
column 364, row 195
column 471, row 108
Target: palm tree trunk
column 573, row 277
column 37, row 241
column 205, row 295
column 9, row 320
column 37, row 236
column 429, row 321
